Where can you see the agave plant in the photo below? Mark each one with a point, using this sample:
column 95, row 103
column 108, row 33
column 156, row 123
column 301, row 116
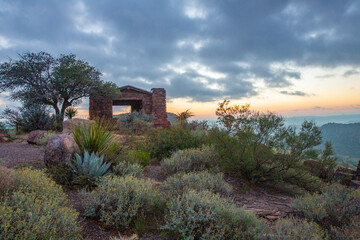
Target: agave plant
column 90, row 167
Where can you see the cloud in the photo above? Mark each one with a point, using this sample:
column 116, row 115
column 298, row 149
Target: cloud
column 294, row 93
column 351, row 73
column 233, row 44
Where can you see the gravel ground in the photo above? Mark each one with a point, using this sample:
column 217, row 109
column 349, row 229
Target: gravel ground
column 20, row 153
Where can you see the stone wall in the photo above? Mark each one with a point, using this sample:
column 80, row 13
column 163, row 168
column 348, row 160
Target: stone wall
column 159, row 107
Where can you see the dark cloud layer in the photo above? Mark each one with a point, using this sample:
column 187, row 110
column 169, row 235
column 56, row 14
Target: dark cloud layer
column 294, row 93
column 204, row 50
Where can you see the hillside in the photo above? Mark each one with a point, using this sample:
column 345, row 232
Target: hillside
column 344, row 137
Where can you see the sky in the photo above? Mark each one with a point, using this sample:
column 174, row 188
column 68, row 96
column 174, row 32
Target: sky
column 292, row 57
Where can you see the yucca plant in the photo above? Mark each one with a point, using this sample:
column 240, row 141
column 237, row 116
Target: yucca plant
column 184, row 116
column 71, row 112
column 90, row 167
column 95, row 137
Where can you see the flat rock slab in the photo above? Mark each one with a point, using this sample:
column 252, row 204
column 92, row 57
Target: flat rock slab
column 265, row 202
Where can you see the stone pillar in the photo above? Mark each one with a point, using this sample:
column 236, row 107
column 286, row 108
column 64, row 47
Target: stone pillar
column 159, row 108
column 100, row 107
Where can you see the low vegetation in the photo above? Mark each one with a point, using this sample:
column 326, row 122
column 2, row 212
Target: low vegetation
column 205, row 215
column 119, row 202
column 36, row 208
column 192, row 159
column 199, row 181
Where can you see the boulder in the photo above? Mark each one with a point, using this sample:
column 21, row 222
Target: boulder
column 35, row 136
column 59, row 150
column 4, row 137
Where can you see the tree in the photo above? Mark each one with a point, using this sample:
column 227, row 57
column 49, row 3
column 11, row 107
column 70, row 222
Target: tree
column 58, row 82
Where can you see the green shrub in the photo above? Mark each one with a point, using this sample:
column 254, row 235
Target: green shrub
column 118, row 202
column 188, row 160
column 348, row 232
column 291, row 228
column 138, row 156
column 160, row 143
column 37, row 209
column 125, row 168
column 205, row 215
column 199, row 181
column 334, row 207
column 29, row 118
column 89, row 168
column 94, row 137
column 7, row 180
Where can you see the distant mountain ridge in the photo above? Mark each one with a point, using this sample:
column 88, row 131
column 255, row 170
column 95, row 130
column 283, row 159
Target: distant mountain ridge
column 344, row 137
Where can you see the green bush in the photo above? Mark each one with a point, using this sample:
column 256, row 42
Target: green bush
column 291, row 228
column 188, row 160
column 160, row 143
column 125, row 168
column 336, row 206
column 138, row 156
column 199, row 181
column 7, row 182
column 119, row 202
column 348, row 232
column 205, row 215
column 29, row 118
column 37, row 209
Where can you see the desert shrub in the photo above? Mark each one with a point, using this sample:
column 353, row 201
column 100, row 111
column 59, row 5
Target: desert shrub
column 119, row 202
column 188, row 160
column 334, row 207
column 94, row 137
column 195, row 124
column 37, row 209
column 7, row 182
column 160, row 143
column 137, row 123
column 89, row 168
column 138, row 156
column 29, row 117
column 205, row 215
column 3, row 128
column 348, row 232
column 47, row 135
column 291, row 228
column 259, row 147
column 126, row 168
column 199, row 181
column 304, row 179
column 324, row 166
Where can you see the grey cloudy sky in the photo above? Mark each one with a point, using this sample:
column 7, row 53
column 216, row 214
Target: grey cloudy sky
column 203, row 50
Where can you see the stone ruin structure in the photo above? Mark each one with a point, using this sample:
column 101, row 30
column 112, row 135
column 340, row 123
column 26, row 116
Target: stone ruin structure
column 153, row 102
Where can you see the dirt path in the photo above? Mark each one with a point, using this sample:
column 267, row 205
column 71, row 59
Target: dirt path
column 20, row 153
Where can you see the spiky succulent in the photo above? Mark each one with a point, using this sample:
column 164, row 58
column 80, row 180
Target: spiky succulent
column 90, row 166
